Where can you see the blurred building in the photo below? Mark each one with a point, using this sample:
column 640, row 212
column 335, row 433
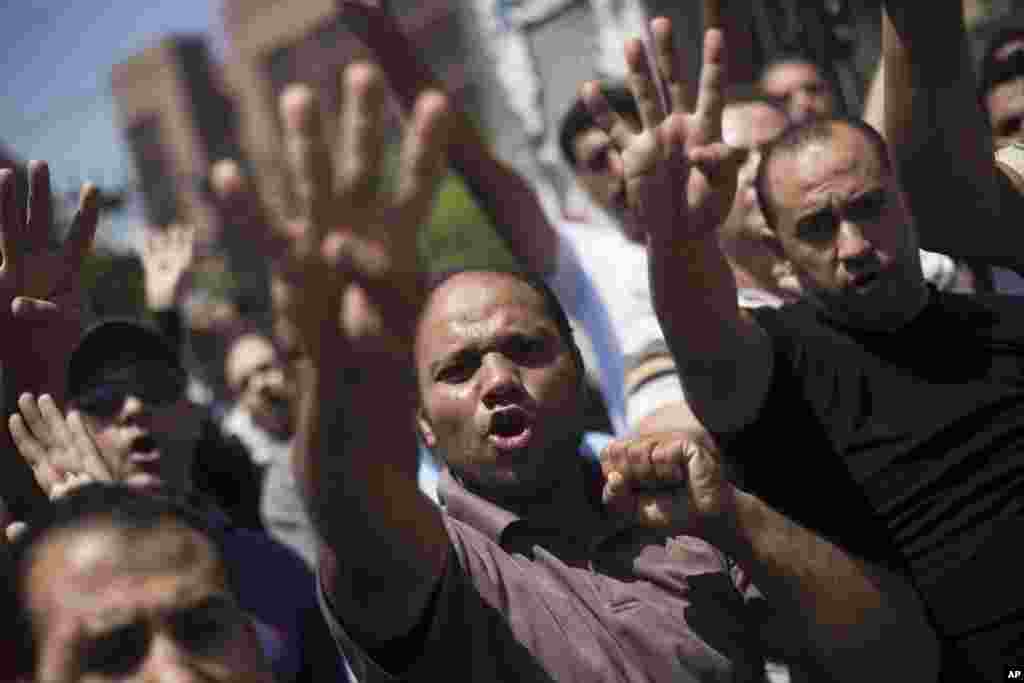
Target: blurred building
column 274, row 43
column 177, row 119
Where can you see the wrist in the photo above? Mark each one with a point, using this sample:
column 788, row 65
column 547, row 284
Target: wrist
column 733, row 521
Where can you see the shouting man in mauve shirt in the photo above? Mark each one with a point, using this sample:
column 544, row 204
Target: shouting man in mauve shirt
column 539, row 565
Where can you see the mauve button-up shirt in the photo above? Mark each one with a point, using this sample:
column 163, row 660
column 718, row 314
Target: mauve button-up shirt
column 522, row 600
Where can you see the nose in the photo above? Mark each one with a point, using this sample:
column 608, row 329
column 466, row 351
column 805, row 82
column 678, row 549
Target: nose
column 132, row 409
column 502, row 381
column 853, row 247
column 169, row 662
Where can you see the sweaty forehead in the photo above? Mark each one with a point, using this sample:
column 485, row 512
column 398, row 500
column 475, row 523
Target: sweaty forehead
column 839, row 163
column 99, row 572
column 468, row 300
column 784, row 76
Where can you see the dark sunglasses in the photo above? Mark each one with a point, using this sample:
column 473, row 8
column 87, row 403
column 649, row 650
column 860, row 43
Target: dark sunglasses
column 106, row 400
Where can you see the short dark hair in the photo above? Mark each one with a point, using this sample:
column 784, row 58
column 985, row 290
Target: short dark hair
column 551, row 303
column 578, row 119
column 93, row 505
column 995, row 71
column 793, row 56
column 799, row 135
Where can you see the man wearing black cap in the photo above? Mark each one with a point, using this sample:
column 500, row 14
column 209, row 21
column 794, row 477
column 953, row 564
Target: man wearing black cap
column 129, row 388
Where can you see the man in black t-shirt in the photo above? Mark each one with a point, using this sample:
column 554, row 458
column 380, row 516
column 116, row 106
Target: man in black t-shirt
column 878, row 412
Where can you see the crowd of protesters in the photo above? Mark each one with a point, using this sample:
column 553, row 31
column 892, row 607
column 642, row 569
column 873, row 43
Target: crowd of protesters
column 800, row 321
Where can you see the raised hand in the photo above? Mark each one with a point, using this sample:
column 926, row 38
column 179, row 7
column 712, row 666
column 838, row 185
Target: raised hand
column 350, row 260
column 679, row 176
column 41, row 302
column 166, row 258
column 673, row 482
column 59, row 448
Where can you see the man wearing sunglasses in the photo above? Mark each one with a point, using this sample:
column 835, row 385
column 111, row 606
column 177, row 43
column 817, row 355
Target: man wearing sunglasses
column 129, row 422
column 129, row 389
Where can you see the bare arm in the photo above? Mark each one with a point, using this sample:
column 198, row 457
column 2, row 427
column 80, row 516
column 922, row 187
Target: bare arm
column 680, row 179
column 503, row 194
column 941, row 140
column 850, row 620
column 352, row 256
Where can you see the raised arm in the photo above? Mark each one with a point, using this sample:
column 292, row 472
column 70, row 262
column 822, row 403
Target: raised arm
column 941, row 140
column 41, row 309
column 840, row 616
column 503, row 194
column 680, row 179
column 167, row 256
column 352, row 260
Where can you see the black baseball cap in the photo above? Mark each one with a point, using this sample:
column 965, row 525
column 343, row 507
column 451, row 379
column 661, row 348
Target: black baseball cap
column 112, row 344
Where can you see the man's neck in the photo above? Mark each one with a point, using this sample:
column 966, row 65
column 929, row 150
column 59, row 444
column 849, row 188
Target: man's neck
column 567, row 499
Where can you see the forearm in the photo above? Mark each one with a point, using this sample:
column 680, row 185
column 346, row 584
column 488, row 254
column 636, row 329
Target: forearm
column 858, row 623
column 356, row 466
column 504, row 195
column 723, row 357
column 940, row 138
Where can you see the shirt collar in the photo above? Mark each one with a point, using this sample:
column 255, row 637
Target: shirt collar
column 467, row 507
column 492, row 520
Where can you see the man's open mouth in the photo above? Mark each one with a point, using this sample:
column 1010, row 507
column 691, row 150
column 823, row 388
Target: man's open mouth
column 510, row 428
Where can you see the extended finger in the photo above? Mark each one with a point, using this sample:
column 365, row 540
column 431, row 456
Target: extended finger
column 39, row 205
column 712, row 13
column 83, row 227
column 55, row 421
column 11, row 234
column 423, row 162
column 711, row 91
column 93, row 462
column 606, row 118
column 642, row 85
column 26, row 444
column 670, row 64
column 362, row 131
column 309, row 159
column 36, row 424
column 237, row 198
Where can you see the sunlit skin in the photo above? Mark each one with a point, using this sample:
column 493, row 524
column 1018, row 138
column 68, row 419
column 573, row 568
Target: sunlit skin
column 263, row 384
column 844, row 223
column 595, row 159
column 500, row 393
column 800, row 89
column 745, row 237
column 146, row 445
column 155, row 606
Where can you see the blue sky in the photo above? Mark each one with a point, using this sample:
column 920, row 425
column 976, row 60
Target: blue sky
column 56, row 79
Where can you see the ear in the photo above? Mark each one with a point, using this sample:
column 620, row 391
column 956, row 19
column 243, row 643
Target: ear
column 424, row 428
